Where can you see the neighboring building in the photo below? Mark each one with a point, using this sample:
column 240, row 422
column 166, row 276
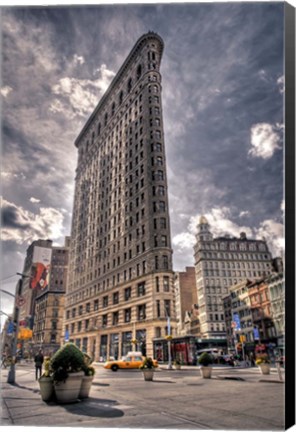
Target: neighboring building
column 243, row 332
column 185, row 300
column 49, row 313
column 261, row 311
column 26, row 310
column 49, row 304
column 276, row 285
column 220, row 263
column 120, row 288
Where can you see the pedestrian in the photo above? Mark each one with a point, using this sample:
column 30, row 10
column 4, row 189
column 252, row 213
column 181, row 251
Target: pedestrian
column 38, row 364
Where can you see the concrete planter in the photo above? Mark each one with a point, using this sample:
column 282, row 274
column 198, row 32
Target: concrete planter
column 206, row 371
column 148, row 374
column 46, row 388
column 68, row 391
column 264, row 368
column 85, row 386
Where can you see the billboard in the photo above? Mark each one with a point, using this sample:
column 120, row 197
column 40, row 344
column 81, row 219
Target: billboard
column 40, row 268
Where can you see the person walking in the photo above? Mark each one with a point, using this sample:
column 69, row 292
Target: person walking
column 38, row 364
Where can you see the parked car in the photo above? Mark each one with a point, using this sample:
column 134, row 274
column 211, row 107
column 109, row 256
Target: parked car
column 132, row 360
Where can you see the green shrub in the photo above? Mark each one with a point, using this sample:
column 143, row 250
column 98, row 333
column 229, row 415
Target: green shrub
column 205, row 359
column 67, row 359
column 262, row 358
column 147, row 363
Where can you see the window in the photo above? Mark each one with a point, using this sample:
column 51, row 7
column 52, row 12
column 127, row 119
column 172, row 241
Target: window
column 104, row 320
column 113, row 108
column 162, row 223
column 163, row 240
column 80, row 310
column 120, row 97
column 115, row 318
column 167, row 307
column 115, row 297
column 141, row 289
column 157, row 283
column 96, row 305
column 127, row 315
column 129, row 85
column 141, row 312
column 166, row 285
column 105, row 301
column 139, row 71
column 165, row 262
column 87, row 307
column 157, row 308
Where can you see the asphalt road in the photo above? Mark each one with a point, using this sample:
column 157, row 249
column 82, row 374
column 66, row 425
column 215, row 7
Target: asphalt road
column 234, row 399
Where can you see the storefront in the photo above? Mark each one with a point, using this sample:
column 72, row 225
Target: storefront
column 184, row 348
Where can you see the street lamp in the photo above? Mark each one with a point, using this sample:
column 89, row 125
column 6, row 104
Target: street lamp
column 11, row 373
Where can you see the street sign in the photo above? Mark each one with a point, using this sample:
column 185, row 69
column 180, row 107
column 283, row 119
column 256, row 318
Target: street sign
column 256, row 333
column 20, row 301
column 10, row 328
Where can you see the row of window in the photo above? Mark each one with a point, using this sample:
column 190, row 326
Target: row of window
column 127, row 294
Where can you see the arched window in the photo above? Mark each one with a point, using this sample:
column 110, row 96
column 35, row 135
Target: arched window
column 120, row 97
column 129, row 85
column 139, row 71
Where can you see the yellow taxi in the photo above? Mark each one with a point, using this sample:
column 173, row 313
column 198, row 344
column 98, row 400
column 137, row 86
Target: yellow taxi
column 132, row 360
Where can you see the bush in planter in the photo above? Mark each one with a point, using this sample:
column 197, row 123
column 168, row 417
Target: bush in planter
column 205, row 359
column 262, row 359
column 46, row 382
column 64, row 363
column 67, row 359
column 147, row 364
column 148, row 369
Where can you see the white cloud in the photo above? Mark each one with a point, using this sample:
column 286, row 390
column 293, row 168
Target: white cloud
column 221, row 224
column 81, row 95
column 264, row 140
column 23, row 226
column 78, row 59
column 281, row 83
column 273, row 232
column 5, row 91
column 244, row 213
column 34, row 200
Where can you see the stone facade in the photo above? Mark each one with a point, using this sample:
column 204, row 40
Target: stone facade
column 186, row 300
column 121, row 279
column 220, row 263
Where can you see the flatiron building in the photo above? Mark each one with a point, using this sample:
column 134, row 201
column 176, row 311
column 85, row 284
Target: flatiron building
column 120, row 287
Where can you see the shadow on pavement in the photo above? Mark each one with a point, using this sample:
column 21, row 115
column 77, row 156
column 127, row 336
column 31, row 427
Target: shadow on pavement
column 94, row 407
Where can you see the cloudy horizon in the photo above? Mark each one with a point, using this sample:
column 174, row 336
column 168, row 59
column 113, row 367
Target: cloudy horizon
column 222, row 89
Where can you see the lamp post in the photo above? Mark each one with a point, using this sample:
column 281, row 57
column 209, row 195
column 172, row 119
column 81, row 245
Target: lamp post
column 169, row 338
column 11, row 373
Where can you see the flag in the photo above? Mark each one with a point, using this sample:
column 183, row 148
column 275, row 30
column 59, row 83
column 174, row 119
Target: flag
column 66, row 336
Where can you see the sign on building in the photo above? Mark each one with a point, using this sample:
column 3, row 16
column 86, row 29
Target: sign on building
column 40, row 267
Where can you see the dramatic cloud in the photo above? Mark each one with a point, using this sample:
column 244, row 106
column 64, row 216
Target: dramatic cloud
column 78, row 97
column 264, row 140
column 222, row 97
column 34, row 200
column 22, row 226
column 221, row 224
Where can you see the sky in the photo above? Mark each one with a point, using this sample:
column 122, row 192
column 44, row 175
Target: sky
column 222, row 90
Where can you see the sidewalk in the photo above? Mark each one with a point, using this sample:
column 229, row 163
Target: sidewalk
column 174, row 400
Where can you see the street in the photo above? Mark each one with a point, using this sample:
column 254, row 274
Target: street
column 239, row 399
